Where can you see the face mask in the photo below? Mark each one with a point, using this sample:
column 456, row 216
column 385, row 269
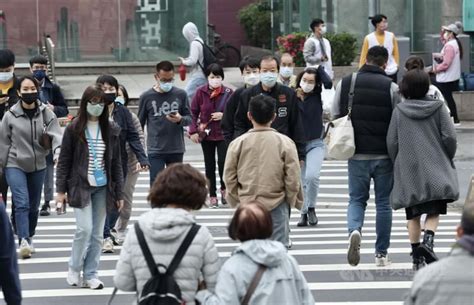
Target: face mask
column 268, row 79
column 166, row 87
column 215, row 83
column 39, row 74
column 307, row 88
column 286, row 72
column 29, row 98
column 110, row 98
column 95, row 110
column 323, row 30
column 120, row 100
column 252, row 79
column 6, row 76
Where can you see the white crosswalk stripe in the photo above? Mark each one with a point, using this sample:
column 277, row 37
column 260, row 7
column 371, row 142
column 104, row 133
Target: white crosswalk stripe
column 321, row 251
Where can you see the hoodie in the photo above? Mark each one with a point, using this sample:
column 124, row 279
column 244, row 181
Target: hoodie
column 282, row 282
column 196, row 53
column 421, row 142
column 165, row 230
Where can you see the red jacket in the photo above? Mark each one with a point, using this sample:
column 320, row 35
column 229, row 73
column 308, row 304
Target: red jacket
column 202, row 107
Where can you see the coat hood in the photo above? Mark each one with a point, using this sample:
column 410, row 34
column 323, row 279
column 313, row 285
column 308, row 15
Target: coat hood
column 264, row 251
column 166, row 223
column 419, row 109
column 190, row 32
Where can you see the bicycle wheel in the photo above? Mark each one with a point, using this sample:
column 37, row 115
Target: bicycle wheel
column 228, row 56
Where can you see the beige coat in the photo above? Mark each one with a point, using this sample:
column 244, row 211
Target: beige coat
column 262, row 165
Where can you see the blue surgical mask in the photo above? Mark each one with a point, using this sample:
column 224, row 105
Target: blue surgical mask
column 286, row 72
column 95, row 110
column 5, row 76
column 166, row 87
column 120, row 100
column 268, row 79
column 39, row 74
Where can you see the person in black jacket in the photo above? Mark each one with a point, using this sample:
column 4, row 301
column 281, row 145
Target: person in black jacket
column 50, row 94
column 9, row 279
column 250, row 69
column 288, row 118
column 128, row 134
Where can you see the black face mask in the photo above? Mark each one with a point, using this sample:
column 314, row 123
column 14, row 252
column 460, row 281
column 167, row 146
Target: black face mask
column 110, row 98
column 29, row 98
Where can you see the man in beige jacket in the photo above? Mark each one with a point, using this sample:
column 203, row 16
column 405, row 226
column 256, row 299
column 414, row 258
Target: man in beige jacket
column 262, row 165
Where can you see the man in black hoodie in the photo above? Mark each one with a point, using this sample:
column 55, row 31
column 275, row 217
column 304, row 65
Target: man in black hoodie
column 288, row 118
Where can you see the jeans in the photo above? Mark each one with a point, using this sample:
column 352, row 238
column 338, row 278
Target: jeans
column 281, row 223
column 87, row 244
column 126, row 211
column 209, row 150
column 360, row 174
column 49, row 179
column 159, row 161
column 447, row 91
column 26, row 192
column 310, row 173
column 195, row 81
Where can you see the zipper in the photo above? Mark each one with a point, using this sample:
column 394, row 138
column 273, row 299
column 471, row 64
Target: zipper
column 33, row 141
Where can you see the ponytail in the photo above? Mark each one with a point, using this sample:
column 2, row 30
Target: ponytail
column 460, row 46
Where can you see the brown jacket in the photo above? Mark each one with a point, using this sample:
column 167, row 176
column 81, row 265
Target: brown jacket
column 262, row 165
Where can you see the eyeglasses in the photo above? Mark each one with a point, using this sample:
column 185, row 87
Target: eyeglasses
column 96, row 103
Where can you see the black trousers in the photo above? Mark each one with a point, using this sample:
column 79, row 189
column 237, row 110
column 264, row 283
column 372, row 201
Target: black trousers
column 209, row 150
column 447, row 90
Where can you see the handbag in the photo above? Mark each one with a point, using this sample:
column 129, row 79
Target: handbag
column 253, row 285
column 203, row 130
column 45, row 139
column 339, row 135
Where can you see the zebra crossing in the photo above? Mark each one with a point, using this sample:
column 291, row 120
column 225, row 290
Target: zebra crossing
column 321, row 250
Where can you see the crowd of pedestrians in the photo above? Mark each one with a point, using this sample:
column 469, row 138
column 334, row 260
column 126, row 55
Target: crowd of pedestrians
column 270, row 146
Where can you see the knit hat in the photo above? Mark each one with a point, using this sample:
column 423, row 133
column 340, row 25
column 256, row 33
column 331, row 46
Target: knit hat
column 455, row 28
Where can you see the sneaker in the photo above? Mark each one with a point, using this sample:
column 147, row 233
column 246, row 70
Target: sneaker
column 73, row 277
column 303, row 221
column 353, row 254
column 32, row 247
column 382, row 260
column 119, row 236
column 290, row 243
column 93, row 284
column 108, row 246
column 25, row 249
column 223, row 193
column 45, row 209
column 312, row 218
column 214, row 203
column 115, row 236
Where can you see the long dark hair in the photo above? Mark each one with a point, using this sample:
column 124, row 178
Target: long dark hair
column 313, row 71
column 461, row 52
column 80, row 122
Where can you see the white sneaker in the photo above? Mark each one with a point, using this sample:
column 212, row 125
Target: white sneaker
column 25, row 249
column 108, row 246
column 117, row 237
column 93, row 284
column 73, row 277
column 382, row 260
column 353, row 253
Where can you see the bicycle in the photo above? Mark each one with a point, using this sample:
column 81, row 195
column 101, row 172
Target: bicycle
column 226, row 54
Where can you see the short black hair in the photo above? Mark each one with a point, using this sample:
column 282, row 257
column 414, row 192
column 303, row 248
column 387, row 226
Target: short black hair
column 315, row 23
column 7, row 58
column 215, row 69
column 415, row 84
column 126, row 97
column 414, row 62
column 270, row 58
column 250, row 62
column 377, row 19
column 108, row 79
column 164, row 65
column 377, row 55
column 262, row 108
column 38, row 59
column 467, row 219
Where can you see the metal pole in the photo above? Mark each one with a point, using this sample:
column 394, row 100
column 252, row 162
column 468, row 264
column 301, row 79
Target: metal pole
column 119, row 31
column 272, row 36
column 37, row 26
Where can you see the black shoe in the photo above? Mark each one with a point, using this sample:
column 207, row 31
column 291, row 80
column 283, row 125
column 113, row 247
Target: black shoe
column 45, row 210
column 418, row 262
column 426, row 251
column 303, row 221
column 312, row 218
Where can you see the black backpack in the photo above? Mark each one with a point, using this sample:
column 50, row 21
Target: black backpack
column 161, row 288
column 209, row 56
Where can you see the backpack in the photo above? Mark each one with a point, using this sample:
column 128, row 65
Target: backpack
column 161, row 288
column 209, row 57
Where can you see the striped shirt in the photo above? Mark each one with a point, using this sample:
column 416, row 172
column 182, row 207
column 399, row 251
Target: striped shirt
column 99, row 146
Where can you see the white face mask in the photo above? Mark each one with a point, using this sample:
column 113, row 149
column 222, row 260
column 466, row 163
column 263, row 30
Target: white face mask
column 323, row 30
column 307, row 88
column 215, row 82
column 286, row 72
column 6, row 76
column 446, row 35
column 252, row 79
